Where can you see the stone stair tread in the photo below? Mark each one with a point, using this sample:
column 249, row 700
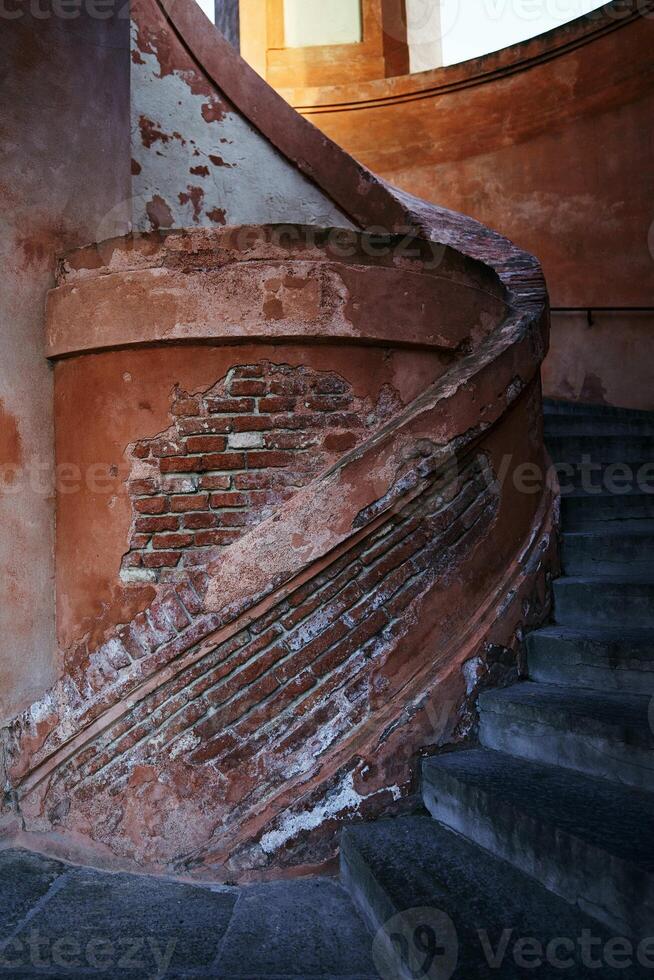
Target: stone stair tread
column 617, row 820
column 638, row 580
column 414, row 862
column 555, row 407
column 639, row 637
column 642, row 532
column 626, row 714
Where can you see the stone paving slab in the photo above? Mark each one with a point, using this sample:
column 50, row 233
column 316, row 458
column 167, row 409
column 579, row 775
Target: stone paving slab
column 296, row 928
column 61, row 922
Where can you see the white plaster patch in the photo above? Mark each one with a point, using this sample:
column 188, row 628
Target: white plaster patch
column 471, row 672
column 185, row 744
column 240, row 177
column 245, row 440
column 346, row 798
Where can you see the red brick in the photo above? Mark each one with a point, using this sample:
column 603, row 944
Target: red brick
column 166, row 447
column 206, row 444
column 140, row 450
column 253, row 388
column 152, row 524
column 163, row 542
column 178, row 484
column 215, row 482
column 141, row 487
column 222, row 461
column 151, row 505
column 199, row 521
column 287, row 386
column 339, row 442
column 189, row 597
column 291, row 440
column 229, row 500
column 297, row 421
column 330, row 385
column 192, row 502
column 170, row 604
column 235, row 518
column 230, row 405
column 328, row 403
column 187, row 406
column 262, row 460
column 190, row 427
column 247, row 371
column 251, row 423
column 276, row 404
column 262, row 480
column 179, row 464
column 209, row 538
column 132, row 560
column 161, row 559
column 139, row 541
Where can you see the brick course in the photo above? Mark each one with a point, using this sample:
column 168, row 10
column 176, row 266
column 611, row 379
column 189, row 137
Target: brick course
column 231, row 456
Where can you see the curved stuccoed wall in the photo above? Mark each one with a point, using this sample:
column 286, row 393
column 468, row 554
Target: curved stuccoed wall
column 61, row 174
column 535, row 142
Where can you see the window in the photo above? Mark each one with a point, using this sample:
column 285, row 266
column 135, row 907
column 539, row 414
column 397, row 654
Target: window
column 308, row 23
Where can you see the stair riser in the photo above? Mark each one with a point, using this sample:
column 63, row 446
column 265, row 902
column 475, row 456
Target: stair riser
column 609, row 889
column 590, row 512
column 558, row 409
column 603, row 554
column 373, row 905
column 550, row 669
column 587, row 427
column 601, row 449
column 592, row 605
column 593, row 754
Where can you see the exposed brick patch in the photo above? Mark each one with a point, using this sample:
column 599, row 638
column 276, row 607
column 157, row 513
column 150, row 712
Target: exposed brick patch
column 232, row 455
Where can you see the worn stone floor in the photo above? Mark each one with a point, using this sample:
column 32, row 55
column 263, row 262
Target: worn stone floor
column 61, row 921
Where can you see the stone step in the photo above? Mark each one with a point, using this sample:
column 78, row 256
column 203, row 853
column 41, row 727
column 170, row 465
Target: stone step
column 601, row 734
column 584, row 426
column 603, row 552
column 423, row 889
column 596, row 659
column 576, row 409
column 602, row 449
column 585, row 511
column 599, row 601
column 588, row 840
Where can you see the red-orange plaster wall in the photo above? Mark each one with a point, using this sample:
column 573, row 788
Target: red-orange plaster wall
column 64, row 180
column 550, row 142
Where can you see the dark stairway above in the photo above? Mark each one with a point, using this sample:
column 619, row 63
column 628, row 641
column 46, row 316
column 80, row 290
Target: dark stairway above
column 547, row 829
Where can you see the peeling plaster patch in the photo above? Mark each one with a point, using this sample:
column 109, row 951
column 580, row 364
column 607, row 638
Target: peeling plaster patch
column 472, row 669
column 159, row 213
column 347, row 798
column 178, row 122
column 217, row 215
column 194, row 196
column 187, row 743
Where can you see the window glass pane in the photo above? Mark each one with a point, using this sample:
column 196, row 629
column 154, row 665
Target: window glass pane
column 311, row 22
